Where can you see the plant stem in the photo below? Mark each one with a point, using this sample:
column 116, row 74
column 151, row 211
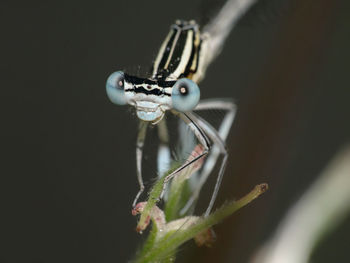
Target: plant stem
column 166, row 245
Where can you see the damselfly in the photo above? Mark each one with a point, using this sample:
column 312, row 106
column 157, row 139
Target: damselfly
column 179, row 66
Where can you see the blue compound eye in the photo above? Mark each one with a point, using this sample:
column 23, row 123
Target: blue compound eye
column 115, row 88
column 185, row 95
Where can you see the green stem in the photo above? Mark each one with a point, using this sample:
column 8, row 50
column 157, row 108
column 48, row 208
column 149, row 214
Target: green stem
column 152, row 201
column 165, row 246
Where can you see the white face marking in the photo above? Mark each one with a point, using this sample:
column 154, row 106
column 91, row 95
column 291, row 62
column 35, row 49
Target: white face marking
column 149, row 107
column 149, row 111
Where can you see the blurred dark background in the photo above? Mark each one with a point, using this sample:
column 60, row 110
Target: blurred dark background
column 68, row 174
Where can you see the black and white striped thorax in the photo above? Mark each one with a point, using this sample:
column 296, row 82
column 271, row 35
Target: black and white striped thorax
column 177, row 58
column 179, row 54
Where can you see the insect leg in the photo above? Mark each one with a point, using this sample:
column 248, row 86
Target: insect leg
column 163, row 159
column 201, row 136
column 220, row 104
column 139, row 150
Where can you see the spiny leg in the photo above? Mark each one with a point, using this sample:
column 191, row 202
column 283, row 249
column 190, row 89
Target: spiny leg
column 139, row 150
column 222, row 133
column 201, row 136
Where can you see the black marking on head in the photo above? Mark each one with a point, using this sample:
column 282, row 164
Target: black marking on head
column 141, row 81
column 155, row 91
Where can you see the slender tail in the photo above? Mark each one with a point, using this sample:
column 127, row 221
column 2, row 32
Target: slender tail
column 216, row 31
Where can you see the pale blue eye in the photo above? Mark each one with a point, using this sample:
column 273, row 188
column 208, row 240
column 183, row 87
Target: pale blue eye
column 115, row 88
column 185, row 95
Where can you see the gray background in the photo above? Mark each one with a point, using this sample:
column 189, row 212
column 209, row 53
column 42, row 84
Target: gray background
column 68, row 174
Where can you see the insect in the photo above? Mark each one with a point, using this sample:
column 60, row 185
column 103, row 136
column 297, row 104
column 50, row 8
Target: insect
column 173, row 88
